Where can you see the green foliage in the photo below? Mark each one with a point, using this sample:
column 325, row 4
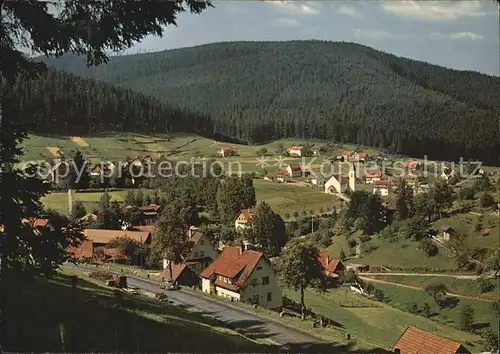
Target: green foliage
column 491, row 339
column 78, row 210
column 267, row 229
column 171, row 240
column 318, row 96
column 466, row 193
column 365, row 211
column 404, row 200
column 426, row 310
column 298, row 267
column 466, row 318
column 429, row 247
column 437, row 292
column 233, row 195
column 342, row 255
column 484, row 285
column 108, row 214
column 486, row 200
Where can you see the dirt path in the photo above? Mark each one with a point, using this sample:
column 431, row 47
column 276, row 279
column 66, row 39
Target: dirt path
column 456, row 276
column 369, row 279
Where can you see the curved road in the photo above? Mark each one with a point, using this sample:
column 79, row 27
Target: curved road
column 253, row 325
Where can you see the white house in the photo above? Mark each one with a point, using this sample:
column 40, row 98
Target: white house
column 341, row 184
column 373, row 176
column 243, row 220
column 296, row 150
column 245, row 276
column 202, row 252
column 227, row 151
column 382, row 187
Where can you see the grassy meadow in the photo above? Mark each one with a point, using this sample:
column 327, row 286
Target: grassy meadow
column 44, row 315
column 377, row 323
column 285, row 199
column 467, row 287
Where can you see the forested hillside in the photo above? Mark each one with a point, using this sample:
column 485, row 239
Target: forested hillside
column 62, row 103
column 259, row 91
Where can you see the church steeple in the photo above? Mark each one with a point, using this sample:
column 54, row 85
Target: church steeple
column 352, row 178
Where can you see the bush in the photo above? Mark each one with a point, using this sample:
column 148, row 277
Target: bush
column 413, row 308
column 484, row 285
column 426, row 310
column 466, row 318
column 429, row 247
column 487, row 200
column 379, row 295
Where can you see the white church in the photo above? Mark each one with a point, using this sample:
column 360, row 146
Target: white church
column 339, row 184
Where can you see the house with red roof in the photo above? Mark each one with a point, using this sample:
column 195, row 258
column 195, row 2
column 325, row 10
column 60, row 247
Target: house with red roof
column 202, row 252
column 382, row 187
column 296, row 150
column 414, row 340
column 354, row 156
column 245, row 276
column 243, row 219
column 332, row 267
column 373, row 175
column 182, row 274
column 227, row 151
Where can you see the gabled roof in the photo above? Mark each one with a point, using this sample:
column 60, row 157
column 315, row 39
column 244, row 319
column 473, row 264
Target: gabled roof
column 177, row 269
column 84, row 250
column 233, row 264
column 36, row 222
column 227, row 148
column 150, row 208
column 194, row 235
column 295, row 167
column 248, row 213
column 114, row 253
column 144, row 228
column 281, row 173
column 416, row 341
column 373, row 173
column 296, row 147
column 410, row 164
column 382, row 184
column 105, row 236
column 329, row 264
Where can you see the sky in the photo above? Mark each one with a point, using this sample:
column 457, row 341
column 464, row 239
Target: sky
column 457, row 34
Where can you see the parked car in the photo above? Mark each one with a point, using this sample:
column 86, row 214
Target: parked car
column 168, row 285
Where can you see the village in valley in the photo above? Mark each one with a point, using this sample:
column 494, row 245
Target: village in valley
column 197, row 177
column 410, row 241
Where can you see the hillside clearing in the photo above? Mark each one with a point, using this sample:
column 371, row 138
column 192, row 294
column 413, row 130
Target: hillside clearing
column 366, row 322
column 79, row 141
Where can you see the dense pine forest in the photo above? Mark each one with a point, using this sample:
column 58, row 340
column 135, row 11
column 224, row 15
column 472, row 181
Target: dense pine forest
column 260, row 91
column 61, row 103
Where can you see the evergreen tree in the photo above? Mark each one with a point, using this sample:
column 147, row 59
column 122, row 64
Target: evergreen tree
column 267, row 229
column 467, row 318
column 130, row 198
column 78, row 210
column 404, row 200
column 80, row 175
column 171, row 241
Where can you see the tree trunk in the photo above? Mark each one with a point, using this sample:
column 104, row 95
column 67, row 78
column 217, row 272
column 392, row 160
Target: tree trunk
column 302, row 304
column 170, row 269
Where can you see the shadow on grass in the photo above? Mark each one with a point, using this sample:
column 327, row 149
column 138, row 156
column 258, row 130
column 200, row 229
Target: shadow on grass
column 480, row 325
column 50, row 316
column 450, row 302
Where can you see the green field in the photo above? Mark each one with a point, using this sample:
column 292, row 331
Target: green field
column 381, row 325
column 401, row 297
column 397, row 254
column 466, row 224
column 467, row 287
column 44, row 315
column 283, row 198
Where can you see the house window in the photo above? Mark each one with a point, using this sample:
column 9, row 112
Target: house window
column 196, row 255
column 269, row 297
column 202, row 254
column 259, row 268
column 265, row 280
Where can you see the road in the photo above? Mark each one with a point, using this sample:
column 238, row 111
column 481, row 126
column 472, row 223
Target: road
column 253, row 325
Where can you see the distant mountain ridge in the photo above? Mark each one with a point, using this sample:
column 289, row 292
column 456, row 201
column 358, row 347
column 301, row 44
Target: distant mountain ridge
column 345, row 92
